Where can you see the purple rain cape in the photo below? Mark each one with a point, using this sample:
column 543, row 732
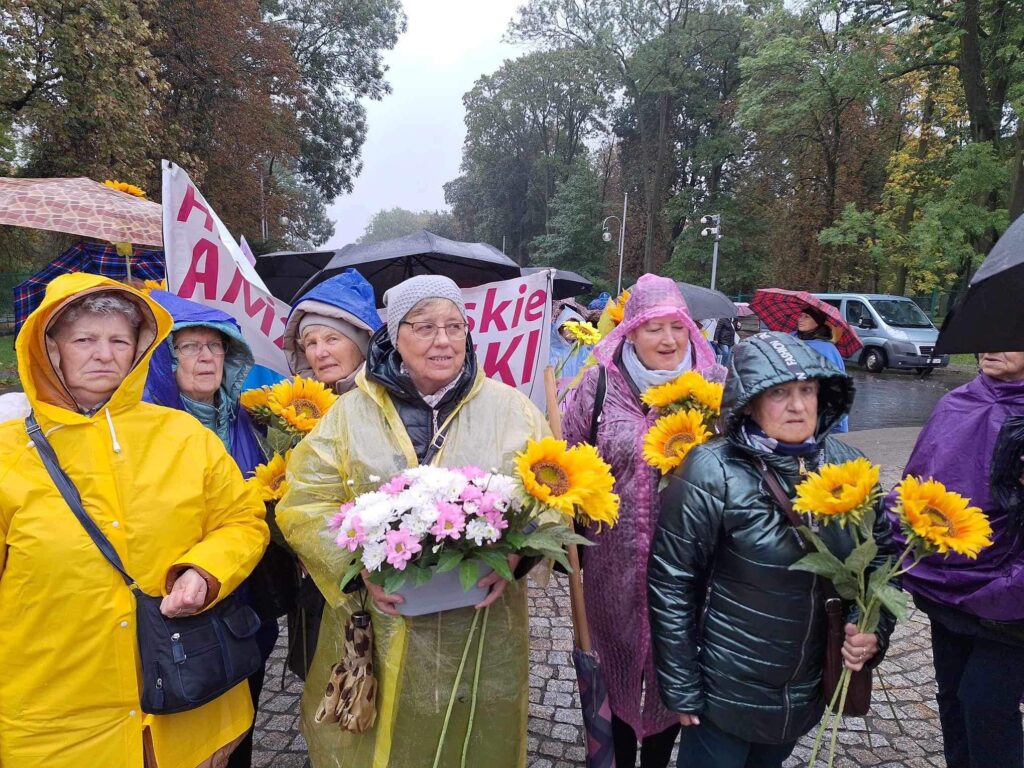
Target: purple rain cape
column 955, row 447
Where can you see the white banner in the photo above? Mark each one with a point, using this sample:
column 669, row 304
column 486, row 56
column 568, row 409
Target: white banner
column 205, row 264
column 511, row 322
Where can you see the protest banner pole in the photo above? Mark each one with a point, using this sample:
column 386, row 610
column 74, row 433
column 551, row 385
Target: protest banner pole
column 579, row 612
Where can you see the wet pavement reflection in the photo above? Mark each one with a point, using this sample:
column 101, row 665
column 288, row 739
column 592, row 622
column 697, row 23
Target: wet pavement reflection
column 898, row 399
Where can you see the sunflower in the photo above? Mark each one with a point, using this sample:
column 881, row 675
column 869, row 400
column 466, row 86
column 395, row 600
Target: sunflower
column 692, row 387
column 840, row 492
column 672, row 437
column 617, row 306
column 300, row 404
column 154, row 285
column 600, row 505
column 941, row 519
column 252, row 399
column 583, row 333
column 269, row 478
column 558, row 477
column 128, row 189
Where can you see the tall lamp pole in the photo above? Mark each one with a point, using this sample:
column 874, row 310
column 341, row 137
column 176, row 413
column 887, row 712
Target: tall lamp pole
column 607, row 236
column 713, row 227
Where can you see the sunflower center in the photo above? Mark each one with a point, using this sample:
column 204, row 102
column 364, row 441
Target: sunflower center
column 553, row 476
column 838, row 490
column 678, row 442
column 939, row 519
column 306, row 408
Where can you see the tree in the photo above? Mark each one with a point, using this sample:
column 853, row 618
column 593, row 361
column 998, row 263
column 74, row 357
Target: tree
column 396, row 222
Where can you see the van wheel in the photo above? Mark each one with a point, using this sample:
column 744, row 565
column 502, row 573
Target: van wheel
column 874, row 360
column 924, row 372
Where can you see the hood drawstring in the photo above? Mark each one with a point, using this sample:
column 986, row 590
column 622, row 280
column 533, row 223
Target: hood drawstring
column 113, row 434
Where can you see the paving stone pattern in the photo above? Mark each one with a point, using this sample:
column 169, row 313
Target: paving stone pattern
column 555, row 737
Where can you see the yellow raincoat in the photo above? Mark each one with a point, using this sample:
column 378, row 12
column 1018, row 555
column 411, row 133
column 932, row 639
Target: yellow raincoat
column 415, row 659
column 165, row 492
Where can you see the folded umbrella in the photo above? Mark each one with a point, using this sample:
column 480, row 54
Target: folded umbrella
column 779, row 309
column 991, row 318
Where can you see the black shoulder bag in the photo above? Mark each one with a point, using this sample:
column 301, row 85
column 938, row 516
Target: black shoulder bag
column 858, row 697
column 187, row 661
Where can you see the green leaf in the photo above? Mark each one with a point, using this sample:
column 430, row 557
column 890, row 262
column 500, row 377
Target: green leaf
column 419, row 576
column 822, row 563
column 393, row 580
column 469, row 574
column 870, row 622
column 893, row 600
column 351, row 572
column 867, row 523
column 498, row 562
column 448, row 559
column 858, row 561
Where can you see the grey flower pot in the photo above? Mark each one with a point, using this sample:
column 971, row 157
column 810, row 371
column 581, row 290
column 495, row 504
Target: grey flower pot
column 442, row 593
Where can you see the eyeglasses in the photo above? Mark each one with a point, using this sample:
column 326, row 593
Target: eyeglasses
column 193, row 348
column 454, row 331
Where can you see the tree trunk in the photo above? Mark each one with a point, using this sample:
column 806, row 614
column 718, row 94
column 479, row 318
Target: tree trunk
column 654, row 189
column 927, row 114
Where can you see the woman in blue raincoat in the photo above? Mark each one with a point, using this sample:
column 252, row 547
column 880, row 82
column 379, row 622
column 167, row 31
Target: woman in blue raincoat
column 201, row 369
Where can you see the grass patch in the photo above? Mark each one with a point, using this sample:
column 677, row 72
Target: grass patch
column 965, row 359
column 8, row 363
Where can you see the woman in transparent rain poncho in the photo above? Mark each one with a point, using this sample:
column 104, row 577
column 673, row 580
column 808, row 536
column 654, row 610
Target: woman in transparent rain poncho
column 421, row 399
column 656, row 342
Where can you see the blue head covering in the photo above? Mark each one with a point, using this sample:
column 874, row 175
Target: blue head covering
column 226, row 418
column 347, row 297
column 600, row 301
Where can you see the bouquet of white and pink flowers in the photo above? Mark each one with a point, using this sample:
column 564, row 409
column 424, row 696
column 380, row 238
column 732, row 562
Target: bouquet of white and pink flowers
column 430, row 520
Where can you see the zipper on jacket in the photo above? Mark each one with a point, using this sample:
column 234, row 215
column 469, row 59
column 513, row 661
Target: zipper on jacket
column 803, row 654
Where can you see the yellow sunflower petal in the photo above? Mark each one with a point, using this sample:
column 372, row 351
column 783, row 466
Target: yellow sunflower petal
column 839, row 491
column 583, row 333
column 269, row 478
column 616, row 307
column 301, row 403
column 123, row 186
column 690, row 389
column 941, row 519
column 566, row 479
column 252, row 399
column 672, row 437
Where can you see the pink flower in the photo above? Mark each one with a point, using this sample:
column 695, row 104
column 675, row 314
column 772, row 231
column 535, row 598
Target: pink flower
column 472, row 473
column 451, row 521
column 471, row 493
column 395, row 485
column 351, row 534
column 489, row 502
column 496, row 518
column 338, row 518
column 401, row 546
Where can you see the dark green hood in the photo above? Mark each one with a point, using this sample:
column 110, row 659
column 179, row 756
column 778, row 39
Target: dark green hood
column 769, row 359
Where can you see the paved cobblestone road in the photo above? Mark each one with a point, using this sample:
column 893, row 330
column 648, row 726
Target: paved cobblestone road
column 555, row 737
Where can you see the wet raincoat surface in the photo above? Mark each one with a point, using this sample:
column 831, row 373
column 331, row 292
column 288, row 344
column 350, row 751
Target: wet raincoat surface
column 416, row 658
column 615, row 571
column 162, row 488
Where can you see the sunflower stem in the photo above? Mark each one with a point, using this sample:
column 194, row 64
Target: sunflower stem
column 844, row 682
column 455, row 689
column 823, row 726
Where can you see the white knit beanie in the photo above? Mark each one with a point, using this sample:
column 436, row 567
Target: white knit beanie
column 406, row 295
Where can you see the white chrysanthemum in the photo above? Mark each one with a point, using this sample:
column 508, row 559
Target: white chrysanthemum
column 503, row 485
column 481, row 532
column 415, row 525
column 374, row 554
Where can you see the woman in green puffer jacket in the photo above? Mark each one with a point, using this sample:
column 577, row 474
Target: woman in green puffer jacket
column 739, row 638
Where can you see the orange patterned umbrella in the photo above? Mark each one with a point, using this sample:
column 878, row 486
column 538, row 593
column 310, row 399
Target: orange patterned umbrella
column 80, row 206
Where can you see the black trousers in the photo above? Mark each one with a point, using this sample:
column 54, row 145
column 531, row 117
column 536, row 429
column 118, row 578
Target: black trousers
column 655, row 751
column 980, row 683
column 708, row 746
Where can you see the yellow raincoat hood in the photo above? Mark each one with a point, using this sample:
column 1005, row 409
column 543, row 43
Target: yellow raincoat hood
column 167, row 495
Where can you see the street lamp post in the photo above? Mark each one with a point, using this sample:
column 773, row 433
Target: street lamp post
column 715, row 229
column 607, row 236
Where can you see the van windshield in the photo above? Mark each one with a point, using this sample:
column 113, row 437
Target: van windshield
column 901, row 313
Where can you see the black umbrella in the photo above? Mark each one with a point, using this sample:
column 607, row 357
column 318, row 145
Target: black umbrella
column 389, row 262
column 567, row 284
column 285, row 272
column 707, row 303
column 990, row 317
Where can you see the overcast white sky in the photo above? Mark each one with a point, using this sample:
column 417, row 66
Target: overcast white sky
column 414, row 142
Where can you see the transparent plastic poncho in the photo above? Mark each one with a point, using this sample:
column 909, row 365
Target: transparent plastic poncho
column 416, row 659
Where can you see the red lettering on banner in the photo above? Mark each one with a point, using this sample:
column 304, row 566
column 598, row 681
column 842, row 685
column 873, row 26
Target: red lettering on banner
column 519, row 306
column 535, row 305
column 205, row 253
column 532, row 342
column 190, row 203
column 492, row 314
column 499, row 366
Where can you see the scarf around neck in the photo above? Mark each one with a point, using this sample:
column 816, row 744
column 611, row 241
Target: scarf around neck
column 644, row 377
column 756, row 438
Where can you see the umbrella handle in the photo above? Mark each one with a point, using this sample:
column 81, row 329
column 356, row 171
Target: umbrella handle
column 581, row 628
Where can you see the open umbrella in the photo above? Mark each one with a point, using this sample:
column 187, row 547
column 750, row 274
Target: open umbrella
column 594, row 703
column 991, row 317
column 389, row 262
column 743, row 309
column 567, row 284
column 706, row 303
column 286, row 272
column 778, row 309
column 80, row 206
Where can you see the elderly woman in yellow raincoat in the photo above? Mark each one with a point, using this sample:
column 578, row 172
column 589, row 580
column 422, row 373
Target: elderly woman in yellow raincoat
column 420, row 400
column 164, row 491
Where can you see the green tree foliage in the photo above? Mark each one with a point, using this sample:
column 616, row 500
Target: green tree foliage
column 396, row 222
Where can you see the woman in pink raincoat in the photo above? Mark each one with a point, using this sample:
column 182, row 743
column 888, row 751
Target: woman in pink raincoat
column 656, row 342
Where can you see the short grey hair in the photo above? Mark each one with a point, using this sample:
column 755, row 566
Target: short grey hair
column 99, row 303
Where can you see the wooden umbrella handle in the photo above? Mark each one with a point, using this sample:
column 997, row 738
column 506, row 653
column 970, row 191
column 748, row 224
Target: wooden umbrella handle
column 579, row 613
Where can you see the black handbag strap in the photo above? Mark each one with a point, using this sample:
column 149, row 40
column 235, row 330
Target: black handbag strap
column 599, row 395
column 71, row 496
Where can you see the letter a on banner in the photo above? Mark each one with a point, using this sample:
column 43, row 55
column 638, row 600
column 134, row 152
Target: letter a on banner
column 205, row 264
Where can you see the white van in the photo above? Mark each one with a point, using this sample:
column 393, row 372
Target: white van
column 894, row 330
